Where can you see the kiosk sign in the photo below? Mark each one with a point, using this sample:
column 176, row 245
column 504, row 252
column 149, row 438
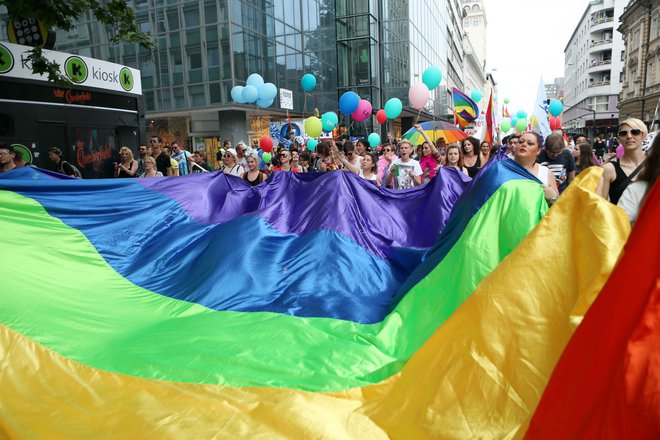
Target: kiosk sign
column 82, row 71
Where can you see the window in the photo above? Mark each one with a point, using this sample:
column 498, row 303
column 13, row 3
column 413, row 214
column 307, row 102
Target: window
column 466, row 22
column 623, row 55
column 475, row 21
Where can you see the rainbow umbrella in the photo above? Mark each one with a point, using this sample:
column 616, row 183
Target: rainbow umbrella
column 435, row 130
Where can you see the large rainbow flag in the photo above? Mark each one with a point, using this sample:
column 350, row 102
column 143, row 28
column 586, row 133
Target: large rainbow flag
column 313, row 306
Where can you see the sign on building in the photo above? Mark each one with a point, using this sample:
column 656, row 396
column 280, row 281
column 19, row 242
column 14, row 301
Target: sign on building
column 286, row 99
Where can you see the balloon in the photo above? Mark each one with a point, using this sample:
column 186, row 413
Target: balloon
column 476, row 95
column 505, row 125
column 514, row 119
column 381, row 116
column 308, row 82
column 522, row 114
column 266, row 144
column 237, row 94
column 311, row 144
column 313, row 126
column 255, row 80
column 250, row 94
column 266, row 157
column 393, row 108
column 418, row 95
column 555, row 107
column 521, row 124
column 432, row 77
column 265, row 103
column 555, row 123
column 267, row 92
column 363, row 111
column 506, row 100
column 329, row 120
column 374, row 140
column 349, row 102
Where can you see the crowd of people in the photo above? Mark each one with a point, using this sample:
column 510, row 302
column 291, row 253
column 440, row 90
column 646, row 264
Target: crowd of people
column 394, row 164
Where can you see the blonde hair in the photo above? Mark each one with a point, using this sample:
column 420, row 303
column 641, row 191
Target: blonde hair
column 150, row 160
column 635, row 123
column 126, row 150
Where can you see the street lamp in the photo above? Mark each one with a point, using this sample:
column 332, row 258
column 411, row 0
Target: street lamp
column 577, row 117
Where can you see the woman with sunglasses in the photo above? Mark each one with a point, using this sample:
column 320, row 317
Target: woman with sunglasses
column 385, row 160
column 231, row 166
column 618, row 174
column 284, row 159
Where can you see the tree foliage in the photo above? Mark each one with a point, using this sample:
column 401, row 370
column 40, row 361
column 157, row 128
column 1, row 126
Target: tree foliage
column 65, row 14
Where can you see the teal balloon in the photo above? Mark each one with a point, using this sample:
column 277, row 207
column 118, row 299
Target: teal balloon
column 311, row 144
column 237, row 94
column 313, row 126
column 476, row 95
column 250, row 94
column 505, row 125
column 393, row 108
column 265, row 103
column 255, row 80
column 432, row 77
column 521, row 124
column 514, row 119
column 329, row 120
column 374, row 140
column 522, row 114
column 266, row 157
column 308, row 82
column 555, row 107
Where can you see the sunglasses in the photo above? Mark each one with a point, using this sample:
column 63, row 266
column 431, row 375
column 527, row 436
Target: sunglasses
column 634, row 132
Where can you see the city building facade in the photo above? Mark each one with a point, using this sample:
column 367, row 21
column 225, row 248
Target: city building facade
column 593, row 61
column 640, row 94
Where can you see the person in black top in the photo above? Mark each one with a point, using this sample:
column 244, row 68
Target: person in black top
column 62, row 166
column 559, row 160
column 471, row 157
column 163, row 163
column 618, row 174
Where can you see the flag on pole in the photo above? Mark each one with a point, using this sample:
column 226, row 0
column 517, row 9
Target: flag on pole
column 465, row 109
column 489, row 121
column 539, row 120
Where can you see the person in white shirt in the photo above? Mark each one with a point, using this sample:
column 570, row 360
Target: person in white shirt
column 404, row 172
column 634, row 195
column 231, row 166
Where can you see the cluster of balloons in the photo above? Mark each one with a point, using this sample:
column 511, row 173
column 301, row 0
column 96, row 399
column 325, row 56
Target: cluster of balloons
column 326, row 123
column 555, row 123
column 419, row 93
column 255, row 91
column 520, row 124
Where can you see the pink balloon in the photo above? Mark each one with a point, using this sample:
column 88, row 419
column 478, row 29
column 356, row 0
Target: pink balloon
column 418, row 95
column 619, row 151
column 363, row 111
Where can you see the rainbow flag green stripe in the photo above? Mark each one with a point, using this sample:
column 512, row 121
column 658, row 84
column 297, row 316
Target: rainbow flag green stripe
column 58, row 291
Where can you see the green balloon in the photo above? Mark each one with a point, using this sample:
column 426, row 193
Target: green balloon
column 505, row 125
column 506, row 100
column 521, row 124
column 267, row 157
column 313, row 126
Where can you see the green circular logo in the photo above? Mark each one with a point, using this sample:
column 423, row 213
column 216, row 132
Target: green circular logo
column 75, row 69
column 126, row 79
column 6, row 60
column 25, row 151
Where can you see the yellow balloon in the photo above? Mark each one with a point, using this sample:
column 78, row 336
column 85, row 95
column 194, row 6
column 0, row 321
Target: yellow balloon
column 313, row 126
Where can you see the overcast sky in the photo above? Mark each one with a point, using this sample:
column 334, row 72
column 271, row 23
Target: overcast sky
column 526, row 39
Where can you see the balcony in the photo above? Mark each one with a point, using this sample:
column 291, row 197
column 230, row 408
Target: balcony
column 599, row 84
column 599, row 66
column 600, row 45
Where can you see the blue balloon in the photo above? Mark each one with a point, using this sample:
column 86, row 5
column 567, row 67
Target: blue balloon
column 349, row 102
column 393, row 108
column 250, row 94
column 522, row 114
column 329, row 120
column 514, row 119
column 432, row 77
column 255, row 80
column 237, row 94
column 311, row 144
column 555, row 107
column 264, row 103
column 308, row 82
column 374, row 140
column 267, row 92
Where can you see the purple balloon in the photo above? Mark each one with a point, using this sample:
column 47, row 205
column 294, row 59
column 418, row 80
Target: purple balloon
column 418, row 95
column 363, row 111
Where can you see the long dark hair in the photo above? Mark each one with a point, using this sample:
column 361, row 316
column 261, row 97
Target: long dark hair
column 475, row 145
column 586, row 157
